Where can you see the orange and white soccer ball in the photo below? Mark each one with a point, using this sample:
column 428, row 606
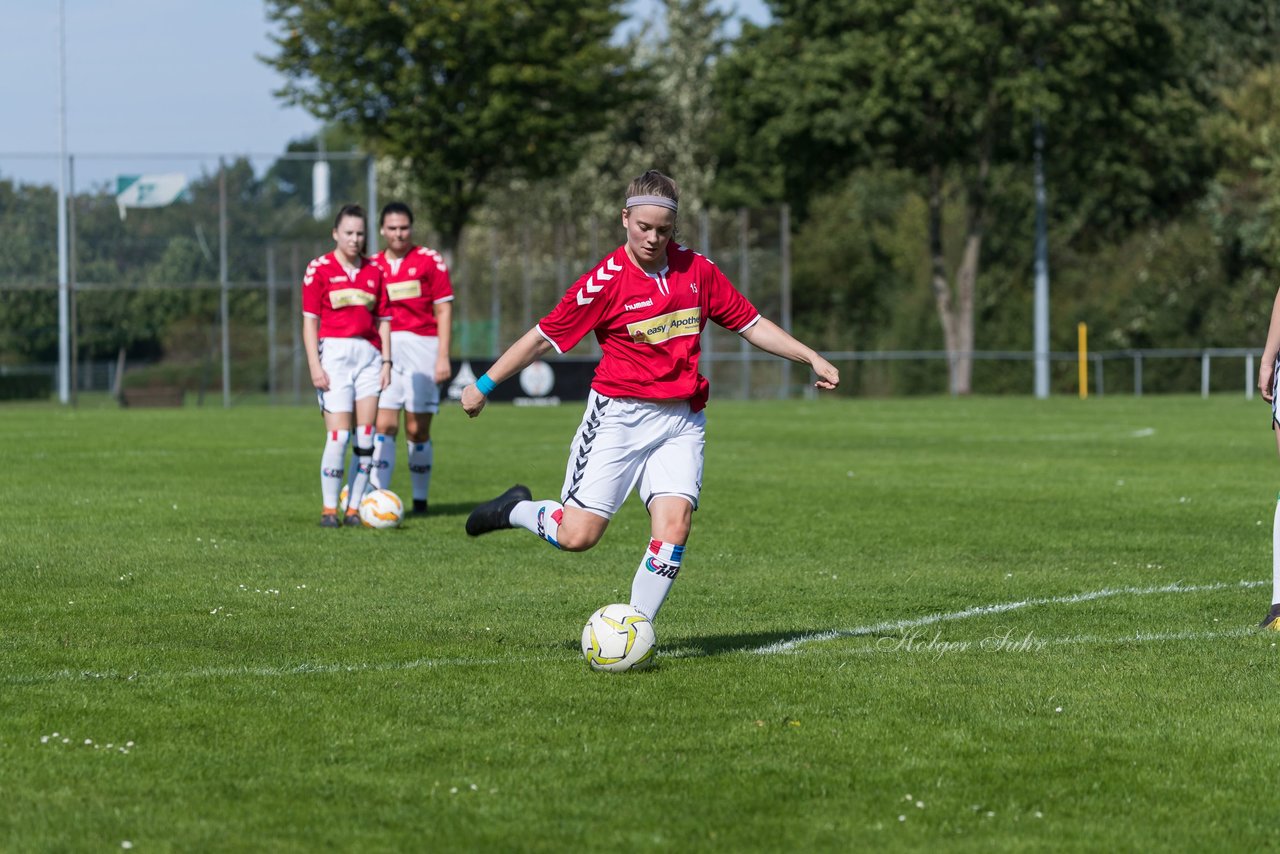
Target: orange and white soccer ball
column 381, row 508
column 618, row 638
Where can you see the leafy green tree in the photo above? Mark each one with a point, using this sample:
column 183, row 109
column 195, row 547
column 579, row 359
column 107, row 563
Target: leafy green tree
column 462, row 93
column 948, row 93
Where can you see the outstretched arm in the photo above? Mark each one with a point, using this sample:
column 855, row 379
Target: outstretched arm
column 311, row 346
column 517, row 357
column 772, row 338
column 1266, row 370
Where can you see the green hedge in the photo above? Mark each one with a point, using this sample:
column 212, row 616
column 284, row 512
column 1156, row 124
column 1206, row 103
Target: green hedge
column 24, row 386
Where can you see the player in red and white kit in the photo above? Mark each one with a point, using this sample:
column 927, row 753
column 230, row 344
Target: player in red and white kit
column 421, row 300
column 644, row 429
column 346, row 331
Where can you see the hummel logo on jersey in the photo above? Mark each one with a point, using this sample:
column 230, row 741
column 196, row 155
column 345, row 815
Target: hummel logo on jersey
column 632, row 306
column 604, row 274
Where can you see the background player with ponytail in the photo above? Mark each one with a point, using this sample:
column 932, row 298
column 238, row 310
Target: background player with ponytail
column 347, row 336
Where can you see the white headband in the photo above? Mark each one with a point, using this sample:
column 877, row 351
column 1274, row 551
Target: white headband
column 660, row 201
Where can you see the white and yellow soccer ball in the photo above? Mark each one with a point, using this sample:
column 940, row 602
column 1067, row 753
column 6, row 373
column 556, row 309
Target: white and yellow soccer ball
column 618, row 638
column 381, row 508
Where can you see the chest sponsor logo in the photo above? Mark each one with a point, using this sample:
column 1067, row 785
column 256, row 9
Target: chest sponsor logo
column 632, row 306
column 344, row 297
column 405, row 290
column 686, row 321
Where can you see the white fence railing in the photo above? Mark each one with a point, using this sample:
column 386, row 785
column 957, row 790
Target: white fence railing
column 751, row 373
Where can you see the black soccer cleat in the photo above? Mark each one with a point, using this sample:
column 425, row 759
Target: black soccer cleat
column 419, row 507
column 352, row 520
column 329, row 520
column 1272, row 622
column 496, row 514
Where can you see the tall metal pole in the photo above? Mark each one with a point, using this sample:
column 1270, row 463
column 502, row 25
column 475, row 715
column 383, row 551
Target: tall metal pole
column 744, row 285
column 1041, row 322
column 224, row 310
column 64, row 288
column 784, row 231
column 704, row 246
column 371, row 230
column 271, row 322
column 74, row 323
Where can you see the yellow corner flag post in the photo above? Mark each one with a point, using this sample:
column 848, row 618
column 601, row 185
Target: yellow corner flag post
column 1082, row 336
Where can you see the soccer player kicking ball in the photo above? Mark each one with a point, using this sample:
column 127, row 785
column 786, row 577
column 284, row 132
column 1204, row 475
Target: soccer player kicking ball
column 644, row 429
column 346, row 332
column 1268, row 380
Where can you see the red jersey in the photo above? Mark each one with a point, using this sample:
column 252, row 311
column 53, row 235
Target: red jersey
column 649, row 326
column 416, row 284
column 347, row 307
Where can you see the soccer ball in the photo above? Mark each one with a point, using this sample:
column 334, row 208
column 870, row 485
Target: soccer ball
column 381, row 508
column 618, row 638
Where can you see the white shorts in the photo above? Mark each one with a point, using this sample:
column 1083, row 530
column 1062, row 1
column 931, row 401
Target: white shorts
column 354, row 367
column 624, row 444
column 413, row 374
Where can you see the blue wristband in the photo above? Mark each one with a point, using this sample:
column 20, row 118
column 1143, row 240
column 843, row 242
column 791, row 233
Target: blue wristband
column 484, row 385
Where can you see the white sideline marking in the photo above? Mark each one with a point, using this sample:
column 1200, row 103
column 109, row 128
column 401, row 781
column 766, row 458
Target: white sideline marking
column 886, row 627
column 890, row 626
column 1141, row 433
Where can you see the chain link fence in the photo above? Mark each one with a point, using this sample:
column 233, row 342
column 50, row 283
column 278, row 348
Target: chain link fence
column 203, row 295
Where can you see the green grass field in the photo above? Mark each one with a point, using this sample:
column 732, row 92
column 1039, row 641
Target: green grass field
column 965, row 625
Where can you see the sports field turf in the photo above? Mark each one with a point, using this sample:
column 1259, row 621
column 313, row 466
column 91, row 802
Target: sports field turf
column 963, row 625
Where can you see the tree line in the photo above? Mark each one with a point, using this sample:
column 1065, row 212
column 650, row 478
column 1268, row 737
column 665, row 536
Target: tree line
column 899, row 134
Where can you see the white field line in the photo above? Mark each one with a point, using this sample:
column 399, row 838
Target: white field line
column 891, row 626
column 791, row 645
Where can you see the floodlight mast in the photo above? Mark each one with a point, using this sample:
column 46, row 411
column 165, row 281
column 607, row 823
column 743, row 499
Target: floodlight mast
column 64, row 288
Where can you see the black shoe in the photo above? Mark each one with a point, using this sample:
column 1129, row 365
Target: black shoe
column 329, row 520
column 1272, row 622
column 496, row 514
column 352, row 520
column 419, row 507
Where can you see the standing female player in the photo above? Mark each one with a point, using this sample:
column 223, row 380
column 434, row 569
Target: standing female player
column 647, row 303
column 346, row 330
column 1268, row 380
column 421, row 301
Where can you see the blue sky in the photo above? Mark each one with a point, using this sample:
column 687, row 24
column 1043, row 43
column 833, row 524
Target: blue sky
column 149, row 78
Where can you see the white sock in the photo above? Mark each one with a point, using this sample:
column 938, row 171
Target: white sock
column 384, row 460
column 331, row 459
column 540, row 517
column 421, row 456
column 361, row 465
column 655, row 576
column 1275, row 556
